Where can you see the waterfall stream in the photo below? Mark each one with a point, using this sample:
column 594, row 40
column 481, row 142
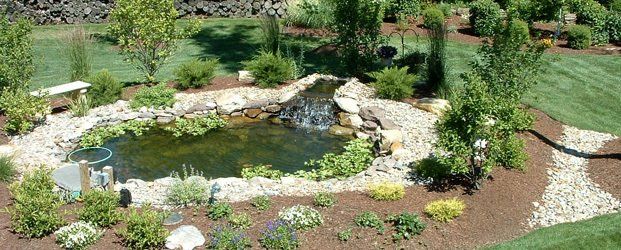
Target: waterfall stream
column 312, row 109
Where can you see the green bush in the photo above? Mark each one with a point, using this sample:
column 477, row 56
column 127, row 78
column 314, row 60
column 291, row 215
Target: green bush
column 105, row 89
column 324, row 199
column 396, row 8
column 445, row 210
column 189, row 189
column 344, row 235
column 240, row 220
column 311, row 14
column 519, row 30
column 22, row 110
column 595, row 16
column 446, row 9
column 7, row 169
column 196, row 73
column 144, row 230
column 80, row 106
column 34, row 213
column 100, row 208
column 387, row 191
column 301, row 217
column 433, row 17
column 197, row 126
column 615, row 6
column 270, row 69
column 225, row 237
column 406, row 225
column 579, row 37
column 356, row 158
column 262, row 202
column 16, row 53
column 414, row 60
column 511, row 153
column 485, row 17
column 99, row 136
column 393, row 83
column 219, row 210
column 614, row 26
column 261, row 171
column 79, row 57
column 371, row 220
column 431, row 168
column 158, row 96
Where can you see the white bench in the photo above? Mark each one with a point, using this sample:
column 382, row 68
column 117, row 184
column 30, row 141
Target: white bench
column 76, row 89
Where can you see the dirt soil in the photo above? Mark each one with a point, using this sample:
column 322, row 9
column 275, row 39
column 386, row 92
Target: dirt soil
column 605, row 168
column 497, row 213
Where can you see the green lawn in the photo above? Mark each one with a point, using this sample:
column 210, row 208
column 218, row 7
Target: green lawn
column 580, row 90
column 603, row 232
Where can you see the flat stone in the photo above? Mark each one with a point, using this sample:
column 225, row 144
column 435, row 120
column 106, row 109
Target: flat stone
column 433, row 105
column 350, row 120
column 178, row 113
column 185, row 237
column 129, row 116
column 173, row 219
column 264, row 115
column 147, row 115
column 389, row 137
column 253, row 113
column 370, row 125
column 340, row 130
column 348, row 105
column 372, row 113
column 387, row 124
column 190, row 116
column 229, row 103
column 362, row 135
column 285, row 97
column 257, row 104
column 273, row 108
column 237, row 114
column 165, row 119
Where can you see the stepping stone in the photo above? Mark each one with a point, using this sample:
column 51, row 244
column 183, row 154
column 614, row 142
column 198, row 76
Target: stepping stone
column 172, row 219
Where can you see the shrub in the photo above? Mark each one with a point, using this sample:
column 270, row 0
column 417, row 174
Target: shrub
column 445, row 8
column 445, row 210
column 407, row 225
column 78, row 235
column 270, row 69
column 386, row 191
column 197, row 126
column 358, row 28
column 144, row 230
column 80, row 106
column 225, row 237
column 311, row 14
column 301, row 217
column 431, row 168
column 16, row 53
column 196, row 73
column 615, row 6
column 7, row 169
column 146, row 32
column 356, row 158
column 105, row 89
column 437, row 69
column 395, row 8
column 485, row 17
column 189, row 189
column 592, row 14
column 240, row 220
column 261, row 171
column 22, row 110
column 219, row 210
column 158, row 96
column 100, row 208
column 579, row 37
column 262, row 202
column 519, row 30
column 98, row 136
column 35, row 206
column 370, row 219
column 393, row 83
column 279, row 235
column 511, row 153
column 324, row 199
column 344, row 235
column 433, row 17
column 614, row 25
column 77, row 51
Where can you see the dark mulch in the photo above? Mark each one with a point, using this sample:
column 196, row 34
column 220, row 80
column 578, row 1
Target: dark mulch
column 497, row 213
column 605, row 168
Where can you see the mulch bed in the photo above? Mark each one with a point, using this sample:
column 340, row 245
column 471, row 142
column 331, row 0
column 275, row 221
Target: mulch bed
column 605, row 168
column 497, row 213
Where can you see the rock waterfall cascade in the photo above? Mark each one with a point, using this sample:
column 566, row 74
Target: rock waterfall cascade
column 314, row 108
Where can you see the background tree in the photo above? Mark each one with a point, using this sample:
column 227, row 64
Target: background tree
column 146, row 32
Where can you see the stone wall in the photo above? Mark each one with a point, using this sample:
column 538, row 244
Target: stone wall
column 82, row 11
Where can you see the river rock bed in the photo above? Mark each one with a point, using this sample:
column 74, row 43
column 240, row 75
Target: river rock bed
column 570, row 195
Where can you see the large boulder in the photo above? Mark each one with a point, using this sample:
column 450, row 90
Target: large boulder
column 229, row 103
column 350, row 120
column 372, row 113
column 433, row 105
column 348, row 105
column 185, row 237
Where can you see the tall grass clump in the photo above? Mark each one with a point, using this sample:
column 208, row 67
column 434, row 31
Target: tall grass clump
column 271, row 30
column 436, row 61
column 315, row 14
column 80, row 106
column 79, row 57
column 7, row 169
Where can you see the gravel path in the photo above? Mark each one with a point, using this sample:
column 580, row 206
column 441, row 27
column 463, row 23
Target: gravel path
column 570, row 195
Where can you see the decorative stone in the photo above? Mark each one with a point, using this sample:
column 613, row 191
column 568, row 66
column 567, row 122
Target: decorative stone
column 178, row 113
column 348, row 105
column 173, row 219
column 257, row 104
column 340, row 130
column 211, row 105
column 185, row 237
column 350, row 120
column 387, row 138
column 285, row 97
column 146, row 115
column 433, row 105
column 165, row 119
column 245, row 76
column 273, row 108
column 229, row 103
column 129, row 116
column 264, row 115
column 369, row 125
column 237, row 114
column 387, row 124
column 362, row 135
column 372, row 113
column 190, row 116
column 253, row 113
column 396, row 146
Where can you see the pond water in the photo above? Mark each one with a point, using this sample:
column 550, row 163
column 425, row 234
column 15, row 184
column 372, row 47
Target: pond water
column 223, row 153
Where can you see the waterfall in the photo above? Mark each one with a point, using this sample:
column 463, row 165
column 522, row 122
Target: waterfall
column 312, row 109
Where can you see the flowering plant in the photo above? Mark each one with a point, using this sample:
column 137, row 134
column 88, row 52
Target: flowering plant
column 78, row 235
column 225, row 237
column 387, row 51
column 279, row 235
column 301, row 217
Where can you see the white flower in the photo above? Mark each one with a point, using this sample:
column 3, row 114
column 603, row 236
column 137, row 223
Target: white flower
column 480, row 144
column 490, row 122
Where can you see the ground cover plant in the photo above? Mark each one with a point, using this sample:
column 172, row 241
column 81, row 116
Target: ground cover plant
column 301, row 217
column 240, row 220
column 78, row 235
column 98, row 136
column 262, row 202
column 445, row 210
column 279, row 235
column 370, row 219
column 219, row 210
column 225, row 237
column 386, row 191
column 407, row 225
column 324, row 199
column 355, row 159
column 197, row 126
column 261, row 171
column 158, row 96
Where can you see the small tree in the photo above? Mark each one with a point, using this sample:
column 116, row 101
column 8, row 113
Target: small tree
column 16, row 67
column 146, row 32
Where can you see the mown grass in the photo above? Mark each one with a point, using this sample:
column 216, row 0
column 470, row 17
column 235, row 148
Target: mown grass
column 601, row 232
column 579, row 90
